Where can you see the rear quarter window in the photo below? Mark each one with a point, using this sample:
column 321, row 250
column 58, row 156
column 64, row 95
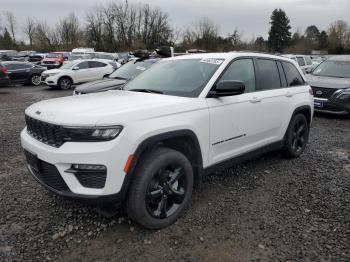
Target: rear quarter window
column 292, row 74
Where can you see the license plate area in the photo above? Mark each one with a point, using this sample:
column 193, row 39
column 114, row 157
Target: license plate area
column 32, row 160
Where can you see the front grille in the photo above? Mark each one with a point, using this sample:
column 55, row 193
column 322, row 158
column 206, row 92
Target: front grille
column 322, row 92
column 49, row 134
column 49, row 62
column 92, row 180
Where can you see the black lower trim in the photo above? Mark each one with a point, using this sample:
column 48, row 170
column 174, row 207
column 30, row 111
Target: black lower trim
column 241, row 158
column 105, row 200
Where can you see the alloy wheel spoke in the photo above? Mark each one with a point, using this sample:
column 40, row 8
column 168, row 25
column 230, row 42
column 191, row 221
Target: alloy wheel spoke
column 155, row 194
column 175, row 175
column 177, row 195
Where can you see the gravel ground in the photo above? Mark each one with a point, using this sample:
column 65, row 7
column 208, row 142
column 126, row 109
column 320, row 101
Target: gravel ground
column 267, row 209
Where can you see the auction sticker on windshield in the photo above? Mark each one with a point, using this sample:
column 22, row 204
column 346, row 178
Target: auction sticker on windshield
column 213, row 61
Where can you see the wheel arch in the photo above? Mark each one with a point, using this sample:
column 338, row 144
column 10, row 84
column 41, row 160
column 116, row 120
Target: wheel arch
column 306, row 111
column 65, row 76
column 184, row 141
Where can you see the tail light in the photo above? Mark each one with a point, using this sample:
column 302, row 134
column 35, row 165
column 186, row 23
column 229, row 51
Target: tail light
column 4, row 70
column 311, row 91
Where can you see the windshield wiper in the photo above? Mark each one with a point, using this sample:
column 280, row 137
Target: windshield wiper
column 146, row 91
column 118, row 78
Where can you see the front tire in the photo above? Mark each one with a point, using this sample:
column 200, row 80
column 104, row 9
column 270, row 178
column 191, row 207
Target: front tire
column 64, row 83
column 297, row 136
column 161, row 190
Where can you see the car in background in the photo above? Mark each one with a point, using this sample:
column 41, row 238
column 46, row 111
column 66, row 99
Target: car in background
column 76, row 56
column 76, row 72
column 4, row 78
column 82, row 50
column 304, row 62
column 23, row 56
column 124, row 57
column 118, row 78
column 36, row 58
column 54, row 59
column 330, row 82
column 7, row 55
column 107, row 56
column 23, row 72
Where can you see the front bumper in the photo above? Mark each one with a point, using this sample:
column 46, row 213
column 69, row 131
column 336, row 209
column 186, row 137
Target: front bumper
column 333, row 106
column 49, row 80
column 62, row 158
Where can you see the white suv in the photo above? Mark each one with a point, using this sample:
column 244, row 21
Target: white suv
column 76, row 72
column 305, row 62
column 149, row 144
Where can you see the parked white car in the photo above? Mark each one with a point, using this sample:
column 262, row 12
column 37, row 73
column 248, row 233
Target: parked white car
column 150, row 143
column 304, row 62
column 76, row 72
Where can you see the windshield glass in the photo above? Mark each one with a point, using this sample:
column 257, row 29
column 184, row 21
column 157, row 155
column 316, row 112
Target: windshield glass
column 54, row 55
column 181, row 77
column 339, row 69
column 68, row 65
column 131, row 69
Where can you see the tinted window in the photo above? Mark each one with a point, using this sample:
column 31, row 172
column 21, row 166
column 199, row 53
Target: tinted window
column 83, row 65
column 293, row 76
column 11, row 66
column 339, row 69
column 23, row 66
column 242, row 70
column 269, row 77
column 95, row 64
column 301, row 61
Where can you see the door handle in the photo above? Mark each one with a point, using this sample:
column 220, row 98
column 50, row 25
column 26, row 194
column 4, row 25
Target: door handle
column 289, row 94
column 255, row 100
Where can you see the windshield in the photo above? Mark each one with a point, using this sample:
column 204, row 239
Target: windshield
column 180, row 77
column 54, row 55
column 68, row 65
column 131, row 70
column 339, row 69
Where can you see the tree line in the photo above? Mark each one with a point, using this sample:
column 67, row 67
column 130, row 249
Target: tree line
column 120, row 26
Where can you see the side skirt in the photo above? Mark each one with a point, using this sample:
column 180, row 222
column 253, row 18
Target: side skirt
column 242, row 158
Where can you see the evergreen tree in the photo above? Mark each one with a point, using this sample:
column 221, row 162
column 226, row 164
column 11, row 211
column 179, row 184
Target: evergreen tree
column 6, row 40
column 279, row 34
column 312, row 34
column 323, row 40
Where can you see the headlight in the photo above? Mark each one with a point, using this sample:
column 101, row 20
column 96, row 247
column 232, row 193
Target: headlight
column 92, row 134
column 50, row 74
column 345, row 95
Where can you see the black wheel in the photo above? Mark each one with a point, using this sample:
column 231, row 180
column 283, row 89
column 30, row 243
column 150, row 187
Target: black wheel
column 161, row 190
column 64, row 83
column 297, row 136
column 35, row 80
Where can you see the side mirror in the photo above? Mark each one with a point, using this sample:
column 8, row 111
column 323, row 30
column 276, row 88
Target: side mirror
column 228, row 88
column 75, row 68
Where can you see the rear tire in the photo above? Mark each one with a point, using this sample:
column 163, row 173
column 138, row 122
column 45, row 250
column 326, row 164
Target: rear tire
column 161, row 189
column 297, row 136
column 64, row 83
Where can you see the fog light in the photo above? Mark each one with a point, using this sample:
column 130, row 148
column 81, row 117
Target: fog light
column 89, row 167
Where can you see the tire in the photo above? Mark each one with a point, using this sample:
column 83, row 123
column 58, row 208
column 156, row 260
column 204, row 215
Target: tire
column 297, row 136
column 35, row 80
column 156, row 198
column 64, row 83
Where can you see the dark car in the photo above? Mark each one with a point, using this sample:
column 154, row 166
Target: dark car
column 118, row 78
column 24, row 73
column 4, row 79
column 330, row 82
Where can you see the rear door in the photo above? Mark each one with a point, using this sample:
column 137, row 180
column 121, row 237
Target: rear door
column 19, row 72
column 98, row 70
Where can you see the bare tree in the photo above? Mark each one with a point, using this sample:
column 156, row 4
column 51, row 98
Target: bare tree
column 94, row 27
column 11, row 23
column 29, row 30
column 68, row 32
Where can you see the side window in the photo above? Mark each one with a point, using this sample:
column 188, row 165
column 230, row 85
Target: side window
column 95, row 64
column 83, row 65
column 293, row 76
column 11, row 66
column 268, row 76
column 241, row 70
column 23, row 66
column 308, row 60
column 282, row 74
column 301, row 61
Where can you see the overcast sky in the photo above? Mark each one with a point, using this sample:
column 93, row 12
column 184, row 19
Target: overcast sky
column 249, row 16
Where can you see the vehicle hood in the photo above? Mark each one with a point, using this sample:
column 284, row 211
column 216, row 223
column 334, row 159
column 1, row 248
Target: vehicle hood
column 53, row 71
column 328, row 82
column 109, row 108
column 100, row 85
